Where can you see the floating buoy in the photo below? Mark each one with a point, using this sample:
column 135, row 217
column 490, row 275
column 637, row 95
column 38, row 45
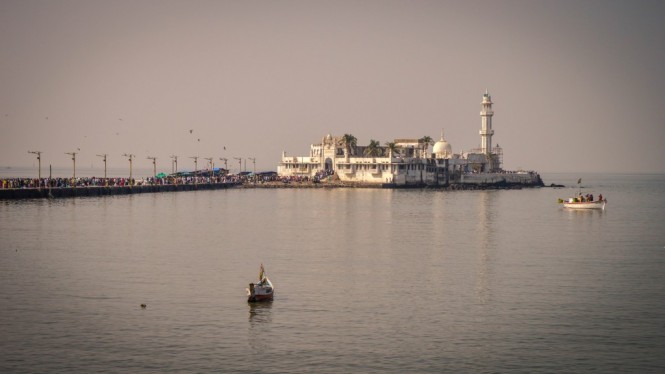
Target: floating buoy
column 143, row 306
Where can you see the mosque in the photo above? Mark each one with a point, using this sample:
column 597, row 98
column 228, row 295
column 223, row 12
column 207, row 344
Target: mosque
column 407, row 162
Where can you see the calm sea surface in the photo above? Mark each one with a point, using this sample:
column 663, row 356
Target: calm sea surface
column 367, row 280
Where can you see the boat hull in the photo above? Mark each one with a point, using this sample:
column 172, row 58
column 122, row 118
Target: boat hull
column 585, row 205
column 259, row 298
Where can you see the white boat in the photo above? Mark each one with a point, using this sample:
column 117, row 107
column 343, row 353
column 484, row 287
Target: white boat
column 573, row 203
column 584, row 202
column 261, row 291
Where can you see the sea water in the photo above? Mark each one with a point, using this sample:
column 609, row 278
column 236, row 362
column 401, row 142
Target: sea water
column 367, row 280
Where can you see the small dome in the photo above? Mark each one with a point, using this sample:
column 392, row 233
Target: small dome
column 442, row 149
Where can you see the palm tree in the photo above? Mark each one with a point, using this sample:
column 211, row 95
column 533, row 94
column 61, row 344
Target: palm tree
column 373, row 148
column 426, row 141
column 350, row 142
column 392, row 147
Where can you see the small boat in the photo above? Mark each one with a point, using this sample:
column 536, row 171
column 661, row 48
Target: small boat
column 574, row 203
column 584, row 202
column 261, row 291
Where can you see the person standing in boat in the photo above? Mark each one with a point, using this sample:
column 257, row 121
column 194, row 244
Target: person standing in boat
column 600, row 197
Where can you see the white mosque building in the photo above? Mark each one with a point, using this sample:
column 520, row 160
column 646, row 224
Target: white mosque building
column 406, row 162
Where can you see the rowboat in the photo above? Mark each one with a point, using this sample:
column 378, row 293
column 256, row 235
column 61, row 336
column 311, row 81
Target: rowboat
column 572, row 203
column 261, row 291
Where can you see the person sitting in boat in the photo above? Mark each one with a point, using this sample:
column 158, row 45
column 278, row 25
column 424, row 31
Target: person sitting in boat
column 590, row 197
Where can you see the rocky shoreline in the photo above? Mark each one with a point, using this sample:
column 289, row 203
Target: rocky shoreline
column 337, row 184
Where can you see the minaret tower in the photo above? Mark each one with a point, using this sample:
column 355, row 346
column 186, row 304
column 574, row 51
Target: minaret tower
column 486, row 131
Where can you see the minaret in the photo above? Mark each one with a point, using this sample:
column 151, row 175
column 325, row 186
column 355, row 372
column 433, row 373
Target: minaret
column 486, row 131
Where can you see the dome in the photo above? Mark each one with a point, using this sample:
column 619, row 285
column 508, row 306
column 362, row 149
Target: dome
column 442, row 149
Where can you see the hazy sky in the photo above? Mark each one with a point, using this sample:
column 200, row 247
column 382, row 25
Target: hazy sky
column 577, row 85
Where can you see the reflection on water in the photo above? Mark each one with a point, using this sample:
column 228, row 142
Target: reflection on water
column 260, row 318
column 584, row 220
column 485, row 238
column 260, row 313
column 584, row 212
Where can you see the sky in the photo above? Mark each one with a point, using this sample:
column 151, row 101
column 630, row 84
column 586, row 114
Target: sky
column 576, row 85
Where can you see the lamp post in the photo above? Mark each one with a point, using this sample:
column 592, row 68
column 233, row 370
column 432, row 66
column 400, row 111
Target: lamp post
column 131, row 157
column 212, row 171
column 154, row 165
column 49, row 180
column 104, row 158
column 239, row 164
column 174, row 164
column 226, row 168
column 253, row 167
column 196, row 164
column 73, row 154
column 39, row 162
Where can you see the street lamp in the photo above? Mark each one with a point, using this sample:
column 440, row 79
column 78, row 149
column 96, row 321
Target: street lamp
column 239, row 164
column 196, row 164
column 73, row 154
column 212, row 168
column 131, row 157
column 154, row 165
column 39, row 162
column 104, row 158
column 253, row 167
column 174, row 163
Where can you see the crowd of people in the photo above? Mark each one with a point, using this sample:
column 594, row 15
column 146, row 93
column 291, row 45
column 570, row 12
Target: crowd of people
column 155, row 181
column 112, row 182
column 588, row 198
